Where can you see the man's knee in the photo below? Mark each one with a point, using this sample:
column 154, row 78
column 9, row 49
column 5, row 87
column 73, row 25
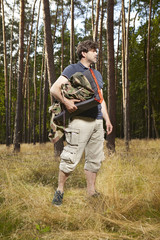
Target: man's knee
column 92, row 166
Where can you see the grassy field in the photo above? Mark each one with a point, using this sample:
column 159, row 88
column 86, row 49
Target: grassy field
column 129, row 206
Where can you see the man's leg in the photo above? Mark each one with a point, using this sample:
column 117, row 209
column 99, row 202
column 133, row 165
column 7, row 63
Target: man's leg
column 94, row 156
column 61, row 180
column 77, row 135
column 91, row 180
column 58, row 196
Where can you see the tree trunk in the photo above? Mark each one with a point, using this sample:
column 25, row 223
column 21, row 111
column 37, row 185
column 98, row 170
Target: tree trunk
column 93, row 17
column 148, row 74
column 45, row 99
column 58, row 147
column 111, row 75
column 48, row 43
column 29, row 111
column 25, row 90
column 123, row 51
column 62, row 41
column 49, row 49
column 40, row 97
column 25, row 113
column 19, row 105
column 72, row 47
column 34, row 80
column 100, row 62
column 126, row 104
column 116, row 67
column 6, row 78
column 95, row 33
column 10, row 78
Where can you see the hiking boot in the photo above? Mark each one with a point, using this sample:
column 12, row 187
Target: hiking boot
column 96, row 195
column 58, row 198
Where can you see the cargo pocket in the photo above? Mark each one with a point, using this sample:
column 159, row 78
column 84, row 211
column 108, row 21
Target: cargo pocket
column 70, row 150
column 69, row 154
column 72, row 136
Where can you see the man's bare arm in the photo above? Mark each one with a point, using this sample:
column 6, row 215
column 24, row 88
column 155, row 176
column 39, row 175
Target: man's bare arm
column 56, row 92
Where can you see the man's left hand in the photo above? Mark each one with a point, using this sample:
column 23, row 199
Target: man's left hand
column 109, row 128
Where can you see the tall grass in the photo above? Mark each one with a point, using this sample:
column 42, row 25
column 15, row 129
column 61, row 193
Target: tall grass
column 128, row 208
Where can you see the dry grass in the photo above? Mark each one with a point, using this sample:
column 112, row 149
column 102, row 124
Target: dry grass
column 129, row 207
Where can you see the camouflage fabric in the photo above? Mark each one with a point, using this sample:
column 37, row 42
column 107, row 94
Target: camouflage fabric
column 56, row 130
column 77, row 88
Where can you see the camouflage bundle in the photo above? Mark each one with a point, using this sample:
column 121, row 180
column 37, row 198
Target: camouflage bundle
column 77, row 88
column 57, row 130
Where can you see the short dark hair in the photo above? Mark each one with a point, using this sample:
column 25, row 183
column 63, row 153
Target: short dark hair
column 86, row 46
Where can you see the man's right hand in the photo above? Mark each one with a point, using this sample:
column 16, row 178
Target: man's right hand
column 70, row 104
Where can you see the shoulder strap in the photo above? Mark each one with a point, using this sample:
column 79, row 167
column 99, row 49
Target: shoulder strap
column 98, row 89
column 89, row 73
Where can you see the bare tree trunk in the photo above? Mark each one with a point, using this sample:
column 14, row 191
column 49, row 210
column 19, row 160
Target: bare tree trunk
column 116, row 67
column 19, row 105
column 62, row 41
column 126, row 109
column 34, row 80
column 40, row 98
column 6, row 78
column 24, row 93
column 29, row 111
column 10, row 78
column 95, row 34
column 123, row 51
column 58, row 146
column 111, row 75
column 148, row 74
column 93, row 17
column 48, row 50
column 45, row 99
column 72, row 52
column 48, row 43
column 25, row 109
column 99, row 65
column 14, row 86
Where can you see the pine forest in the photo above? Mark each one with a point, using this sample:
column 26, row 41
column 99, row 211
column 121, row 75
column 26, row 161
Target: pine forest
column 39, row 39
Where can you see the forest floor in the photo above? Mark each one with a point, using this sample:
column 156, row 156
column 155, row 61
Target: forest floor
column 128, row 208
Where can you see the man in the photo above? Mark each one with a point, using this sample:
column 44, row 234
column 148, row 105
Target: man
column 85, row 132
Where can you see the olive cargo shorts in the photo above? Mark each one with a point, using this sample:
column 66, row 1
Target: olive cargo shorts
column 83, row 134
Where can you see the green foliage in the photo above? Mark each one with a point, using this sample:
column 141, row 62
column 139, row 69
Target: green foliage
column 137, row 76
column 43, row 229
column 83, row 30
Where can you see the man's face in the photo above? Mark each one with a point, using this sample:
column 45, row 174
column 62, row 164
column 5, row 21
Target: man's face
column 91, row 56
